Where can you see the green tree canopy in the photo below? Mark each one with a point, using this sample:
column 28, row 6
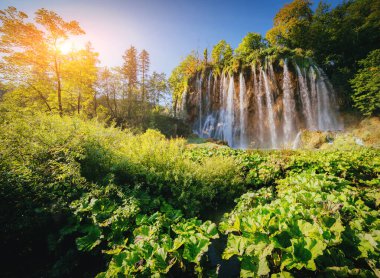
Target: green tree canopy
column 181, row 74
column 221, row 54
column 291, row 25
column 366, row 85
column 250, row 43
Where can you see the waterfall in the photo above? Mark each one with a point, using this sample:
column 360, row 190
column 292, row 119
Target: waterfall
column 242, row 92
column 208, row 94
column 305, row 98
column 205, row 126
column 257, row 91
column 252, row 114
column 288, row 104
column 327, row 115
column 200, row 103
column 183, row 103
column 270, row 111
column 229, row 113
column 297, row 141
column 208, row 126
column 314, row 96
column 221, row 119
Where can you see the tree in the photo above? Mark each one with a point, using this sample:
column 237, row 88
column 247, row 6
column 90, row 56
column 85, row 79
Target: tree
column 157, row 87
column 181, row 74
column 221, row 54
column 205, row 56
column 130, row 67
column 366, row 85
column 110, row 87
column 80, row 72
column 250, row 43
column 341, row 37
column 130, row 70
column 291, row 25
column 56, row 31
column 104, row 85
column 144, row 68
column 31, row 59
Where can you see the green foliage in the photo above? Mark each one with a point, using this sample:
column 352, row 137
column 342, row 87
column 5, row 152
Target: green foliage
column 98, row 181
column 359, row 166
column 221, row 54
column 313, row 222
column 160, row 243
column 291, row 24
column 343, row 36
column 250, row 43
column 181, row 74
column 125, row 202
column 115, row 221
column 366, row 85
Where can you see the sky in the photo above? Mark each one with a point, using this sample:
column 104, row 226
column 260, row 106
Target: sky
column 168, row 29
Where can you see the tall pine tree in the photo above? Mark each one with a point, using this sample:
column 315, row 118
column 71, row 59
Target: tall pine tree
column 129, row 69
column 144, row 68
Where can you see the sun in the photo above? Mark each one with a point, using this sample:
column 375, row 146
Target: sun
column 66, row 47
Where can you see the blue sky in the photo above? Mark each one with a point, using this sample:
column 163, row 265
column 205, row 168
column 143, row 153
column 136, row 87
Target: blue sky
column 167, row 29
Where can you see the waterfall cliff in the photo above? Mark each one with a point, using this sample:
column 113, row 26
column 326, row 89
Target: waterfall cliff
column 264, row 106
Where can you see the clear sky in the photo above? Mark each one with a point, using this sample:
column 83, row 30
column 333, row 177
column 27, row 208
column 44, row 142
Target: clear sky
column 167, row 29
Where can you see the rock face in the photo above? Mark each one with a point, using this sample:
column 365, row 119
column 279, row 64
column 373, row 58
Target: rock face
column 261, row 107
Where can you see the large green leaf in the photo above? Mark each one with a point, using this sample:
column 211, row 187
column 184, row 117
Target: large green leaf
column 91, row 240
column 305, row 250
column 195, row 247
column 236, row 245
column 209, row 229
column 252, row 266
column 308, row 229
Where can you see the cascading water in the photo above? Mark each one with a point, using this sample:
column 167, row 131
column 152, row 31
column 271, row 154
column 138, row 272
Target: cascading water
column 305, row 98
column 183, row 103
column 208, row 93
column 314, row 95
column 200, row 103
column 269, row 108
column 222, row 123
column 229, row 113
column 327, row 116
column 242, row 113
column 257, row 90
column 288, row 104
column 270, row 111
column 297, row 141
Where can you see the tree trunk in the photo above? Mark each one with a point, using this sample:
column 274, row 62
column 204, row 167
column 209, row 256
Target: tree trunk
column 95, row 104
column 59, row 89
column 79, row 99
column 175, row 107
column 143, row 85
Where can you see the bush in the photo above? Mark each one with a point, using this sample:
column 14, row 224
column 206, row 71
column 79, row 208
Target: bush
column 50, row 164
